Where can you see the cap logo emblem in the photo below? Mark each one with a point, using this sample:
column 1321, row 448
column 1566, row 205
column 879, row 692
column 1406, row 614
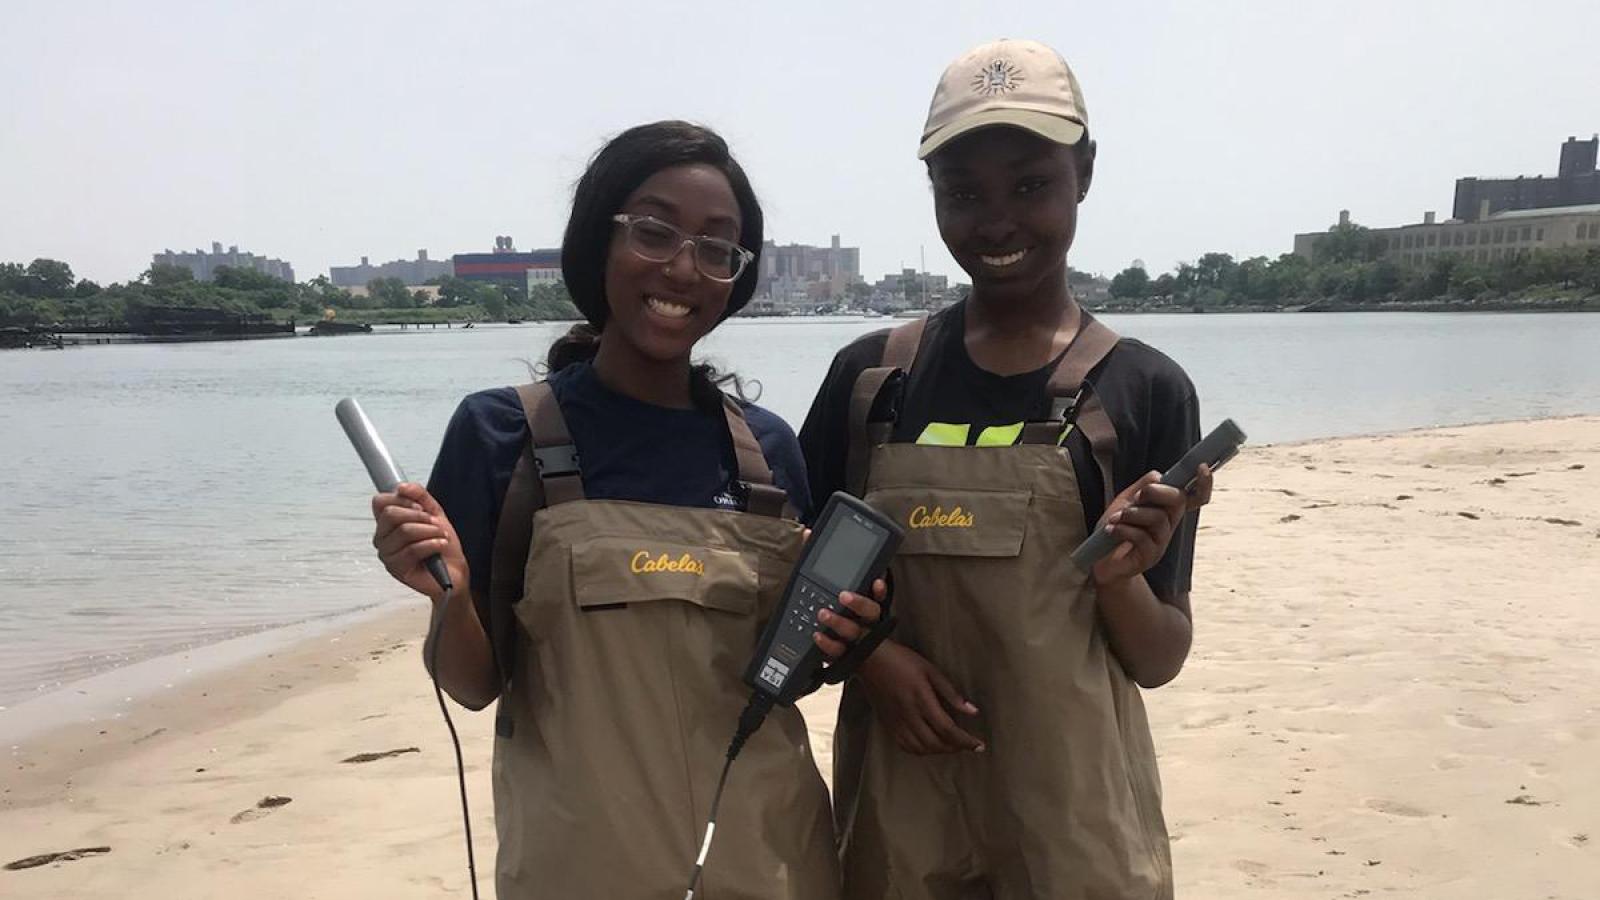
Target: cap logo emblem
column 998, row 77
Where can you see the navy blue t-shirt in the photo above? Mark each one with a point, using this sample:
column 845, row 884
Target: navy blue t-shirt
column 630, row 450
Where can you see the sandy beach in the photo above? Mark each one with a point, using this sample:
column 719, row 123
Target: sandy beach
column 1393, row 692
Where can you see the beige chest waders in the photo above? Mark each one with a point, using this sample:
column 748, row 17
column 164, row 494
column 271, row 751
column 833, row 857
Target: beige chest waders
column 1065, row 803
column 633, row 628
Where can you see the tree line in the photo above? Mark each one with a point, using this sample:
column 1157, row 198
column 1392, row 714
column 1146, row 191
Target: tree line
column 1350, row 267
column 46, row 293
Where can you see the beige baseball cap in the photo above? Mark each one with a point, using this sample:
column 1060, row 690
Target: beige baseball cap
column 1024, row 84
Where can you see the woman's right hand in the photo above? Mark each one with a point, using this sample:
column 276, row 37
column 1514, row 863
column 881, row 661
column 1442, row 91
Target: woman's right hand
column 916, row 702
column 412, row 527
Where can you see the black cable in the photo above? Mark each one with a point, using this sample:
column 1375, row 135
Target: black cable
column 755, row 712
column 438, row 693
column 711, row 827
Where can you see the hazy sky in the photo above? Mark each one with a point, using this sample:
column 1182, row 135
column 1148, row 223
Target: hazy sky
column 319, row 131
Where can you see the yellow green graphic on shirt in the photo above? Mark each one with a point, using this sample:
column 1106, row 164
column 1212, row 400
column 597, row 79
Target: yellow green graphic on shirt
column 954, row 434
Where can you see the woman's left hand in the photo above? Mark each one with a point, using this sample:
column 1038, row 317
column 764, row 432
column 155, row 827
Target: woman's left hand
column 865, row 612
column 1143, row 519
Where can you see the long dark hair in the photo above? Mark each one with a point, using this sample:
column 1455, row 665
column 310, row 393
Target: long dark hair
column 615, row 172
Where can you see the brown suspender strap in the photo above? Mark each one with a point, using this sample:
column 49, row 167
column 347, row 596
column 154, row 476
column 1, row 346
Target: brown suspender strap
column 1073, row 397
column 1091, row 345
column 1102, row 436
column 752, row 463
column 900, row 351
column 530, row 490
column 554, row 455
column 863, row 433
column 532, row 486
column 765, row 498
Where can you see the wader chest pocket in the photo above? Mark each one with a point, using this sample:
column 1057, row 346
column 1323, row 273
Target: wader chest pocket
column 941, row 522
column 619, row 571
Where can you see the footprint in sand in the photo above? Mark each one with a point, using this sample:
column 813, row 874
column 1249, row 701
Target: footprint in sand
column 1206, row 722
column 45, row 859
column 1237, row 688
column 1313, row 730
column 1393, row 808
column 373, row 757
column 1578, row 841
column 1447, row 763
column 1468, row 720
column 1251, row 867
column 263, row 806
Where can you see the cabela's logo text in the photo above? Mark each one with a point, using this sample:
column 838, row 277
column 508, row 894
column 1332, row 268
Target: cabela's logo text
column 643, row 562
column 922, row 517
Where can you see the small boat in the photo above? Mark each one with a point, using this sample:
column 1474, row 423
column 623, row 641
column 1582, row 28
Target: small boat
column 513, row 321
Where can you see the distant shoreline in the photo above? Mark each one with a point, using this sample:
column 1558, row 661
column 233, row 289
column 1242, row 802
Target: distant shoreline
column 1502, row 305
column 72, row 338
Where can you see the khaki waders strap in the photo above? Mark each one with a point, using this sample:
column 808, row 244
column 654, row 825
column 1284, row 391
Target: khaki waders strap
column 764, row 498
column 554, row 454
column 864, row 434
column 900, row 351
column 1102, row 436
column 546, row 473
column 1073, row 398
column 1092, row 344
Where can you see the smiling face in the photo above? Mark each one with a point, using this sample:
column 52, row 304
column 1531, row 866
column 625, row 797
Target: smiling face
column 661, row 309
column 1006, row 202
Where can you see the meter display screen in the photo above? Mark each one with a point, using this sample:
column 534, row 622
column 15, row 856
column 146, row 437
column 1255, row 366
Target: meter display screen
column 847, row 547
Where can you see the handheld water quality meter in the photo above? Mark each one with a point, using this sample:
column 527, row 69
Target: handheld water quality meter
column 1216, row 448
column 850, row 547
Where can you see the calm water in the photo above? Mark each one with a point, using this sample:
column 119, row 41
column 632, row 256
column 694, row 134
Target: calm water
column 157, row 497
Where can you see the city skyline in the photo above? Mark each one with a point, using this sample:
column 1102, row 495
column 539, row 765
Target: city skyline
column 1568, row 196
column 296, row 129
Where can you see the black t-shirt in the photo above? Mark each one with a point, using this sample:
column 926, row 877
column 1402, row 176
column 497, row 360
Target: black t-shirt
column 1148, row 397
column 630, row 450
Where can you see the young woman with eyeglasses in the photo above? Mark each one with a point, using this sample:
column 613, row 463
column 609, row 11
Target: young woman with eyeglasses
column 666, row 532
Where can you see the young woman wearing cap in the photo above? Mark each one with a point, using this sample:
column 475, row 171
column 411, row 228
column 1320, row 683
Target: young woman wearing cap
column 998, row 747
column 660, row 547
